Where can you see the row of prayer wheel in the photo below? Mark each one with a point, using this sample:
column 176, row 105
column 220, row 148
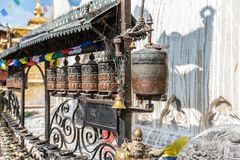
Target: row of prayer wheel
column 91, row 77
column 14, row 81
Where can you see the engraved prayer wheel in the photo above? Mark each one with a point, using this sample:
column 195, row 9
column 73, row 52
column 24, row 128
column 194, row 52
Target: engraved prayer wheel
column 106, row 77
column 62, row 77
column 149, row 72
column 75, row 76
column 90, row 76
column 51, row 78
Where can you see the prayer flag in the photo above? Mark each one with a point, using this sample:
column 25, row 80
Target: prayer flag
column 74, row 2
column 24, row 60
column 173, row 149
column 57, row 55
column 35, row 58
column 17, row 2
column 48, row 56
column 45, row 9
column 4, row 12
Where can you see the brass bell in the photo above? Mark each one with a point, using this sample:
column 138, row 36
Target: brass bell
column 132, row 45
column 118, row 103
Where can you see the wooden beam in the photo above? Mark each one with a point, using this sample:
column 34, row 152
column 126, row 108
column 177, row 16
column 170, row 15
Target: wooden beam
column 47, row 104
column 23, row 85
column 125, row 121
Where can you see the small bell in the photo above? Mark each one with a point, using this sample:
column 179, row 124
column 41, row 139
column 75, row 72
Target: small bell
column 132, row 45
column 118, row 103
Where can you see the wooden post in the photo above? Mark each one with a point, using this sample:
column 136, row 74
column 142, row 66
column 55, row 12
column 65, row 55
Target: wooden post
column 125, row 120
column 23, row 85
column 47, row 103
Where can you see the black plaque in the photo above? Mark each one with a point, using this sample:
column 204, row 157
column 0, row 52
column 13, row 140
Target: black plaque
column 100, row 116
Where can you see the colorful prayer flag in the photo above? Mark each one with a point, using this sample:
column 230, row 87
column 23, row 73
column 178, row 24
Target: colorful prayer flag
column 31, row 63
column 24, row 60
column 174, row 148
column 74, row 2
column 45, row 9
column 48, row 57
column 42, row 58
column 66, row 51
column 17, row 2
column 10, row 62
column 57, row 55
column 17, row 63
column 35, row 58
column 4, row 12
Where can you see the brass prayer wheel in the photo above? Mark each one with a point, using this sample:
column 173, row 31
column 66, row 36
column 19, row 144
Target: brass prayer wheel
column 106, row 77
column 51, row 78
column 75, row 76
column 90, row 75
column 149, row 72
column 62, row 77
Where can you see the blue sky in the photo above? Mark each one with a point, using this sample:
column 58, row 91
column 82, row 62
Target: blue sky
column 19, row 15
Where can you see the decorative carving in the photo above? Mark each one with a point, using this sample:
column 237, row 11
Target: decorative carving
column 68, row 130
column 75, row 76
column 173, row 115
column 90, row 75
column 107, row 80
column 216, row 143
column 62, row 77
column 220, row 113
column 136, row 150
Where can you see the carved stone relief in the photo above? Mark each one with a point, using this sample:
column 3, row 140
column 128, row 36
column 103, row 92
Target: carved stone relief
column 173, row 116
column 220, row 113
column 216, row 143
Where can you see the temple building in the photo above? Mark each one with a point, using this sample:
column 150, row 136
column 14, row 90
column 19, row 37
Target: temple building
column 12, row 35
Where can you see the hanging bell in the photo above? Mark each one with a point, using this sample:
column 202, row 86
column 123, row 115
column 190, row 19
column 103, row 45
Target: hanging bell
column 132, row 45
column 118, row 103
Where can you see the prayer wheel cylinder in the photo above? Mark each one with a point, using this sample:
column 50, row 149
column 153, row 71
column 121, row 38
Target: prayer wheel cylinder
column 51, row 78
column 106, row 77
column 75, row 76
column 149, row 72
column 90, row 76
column 62, row 77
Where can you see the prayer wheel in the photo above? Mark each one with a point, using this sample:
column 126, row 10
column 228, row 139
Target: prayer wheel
column 106, row 77
column 90, row 76
column 149, row 72
column 62, row 77
column 75, row 76
column 51, row 78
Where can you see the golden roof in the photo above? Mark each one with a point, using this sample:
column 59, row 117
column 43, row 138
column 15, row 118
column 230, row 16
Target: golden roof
column 38, row 19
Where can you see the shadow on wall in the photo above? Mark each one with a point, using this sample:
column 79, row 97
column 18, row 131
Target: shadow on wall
column 189, row 68
column 189, row 62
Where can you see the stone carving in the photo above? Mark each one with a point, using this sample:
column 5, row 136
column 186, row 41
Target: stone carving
column 173, row 115
column 216, row 143
column 220, row 113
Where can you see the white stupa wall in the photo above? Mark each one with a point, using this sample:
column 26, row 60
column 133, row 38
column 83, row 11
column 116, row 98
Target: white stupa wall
column 203, row 58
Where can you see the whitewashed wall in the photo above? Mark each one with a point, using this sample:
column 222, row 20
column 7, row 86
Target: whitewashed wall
column 203, row 58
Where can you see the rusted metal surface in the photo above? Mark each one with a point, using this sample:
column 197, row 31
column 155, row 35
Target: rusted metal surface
column 149, row 72
column 106, row 77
